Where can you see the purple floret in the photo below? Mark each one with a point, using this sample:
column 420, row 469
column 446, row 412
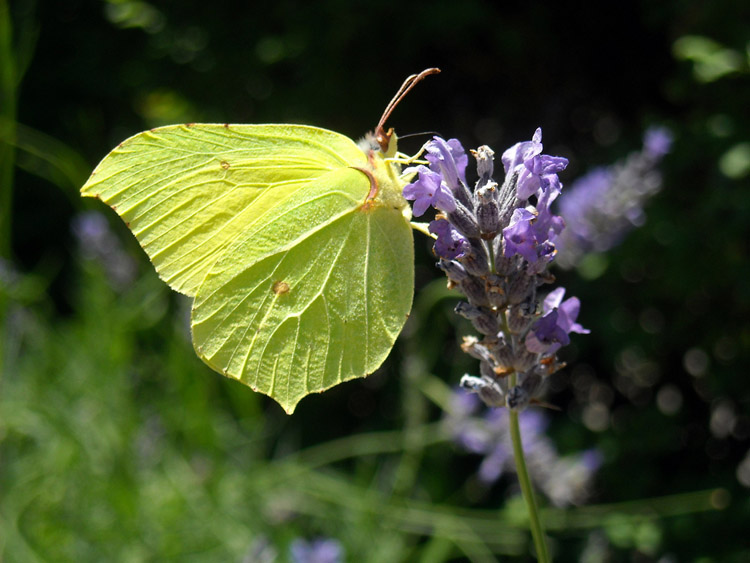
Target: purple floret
column 551, row 331
column 427, row 190
column 450, row 244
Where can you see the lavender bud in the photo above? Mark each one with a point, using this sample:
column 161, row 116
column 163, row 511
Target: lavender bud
column 507, row 197
column 503, row 355
column 518, row 398
column 495, row 289
column 467, row 310
column 521, row 395
column 463, row 194
column 488, row 211
column 545, row 277
column 529, row 307
column 503, row 266
column 484, row 155
column 475, row 291
column 464, row 221
column 524, row 360
column 520, row 287
column 549, row 365
column 487, row 370
column 454, row 270
column 475, row 349
column 476, row 261
column 518, row 319
column 532, row 382
column 486, row 324
column 488, row 390
column 481, row 317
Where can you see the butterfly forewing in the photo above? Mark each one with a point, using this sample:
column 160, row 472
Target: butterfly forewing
column 189, row 191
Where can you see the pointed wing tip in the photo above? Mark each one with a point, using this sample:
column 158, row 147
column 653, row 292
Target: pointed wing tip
column 288, row 408
column 86, row 193
column 288, row 405
column 86, row 189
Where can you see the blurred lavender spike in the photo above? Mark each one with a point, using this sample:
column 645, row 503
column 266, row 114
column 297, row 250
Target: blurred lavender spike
column 319, row 550
column 602, row 206
column 565, row 480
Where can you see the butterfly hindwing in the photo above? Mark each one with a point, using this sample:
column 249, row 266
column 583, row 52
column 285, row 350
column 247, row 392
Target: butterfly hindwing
column 311, row 296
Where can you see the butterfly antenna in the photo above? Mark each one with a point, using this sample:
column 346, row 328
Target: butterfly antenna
column 419, row 134
column 382, row 136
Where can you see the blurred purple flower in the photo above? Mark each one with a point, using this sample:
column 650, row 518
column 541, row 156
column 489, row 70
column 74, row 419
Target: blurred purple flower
column 565, row 480
column 602, row 206
column 96, row 241
column 657, row 141
column 320, row 550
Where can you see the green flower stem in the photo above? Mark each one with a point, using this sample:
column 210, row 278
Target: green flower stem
column 537, row 532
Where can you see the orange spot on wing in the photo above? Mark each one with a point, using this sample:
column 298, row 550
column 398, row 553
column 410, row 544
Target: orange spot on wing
column 280, row 287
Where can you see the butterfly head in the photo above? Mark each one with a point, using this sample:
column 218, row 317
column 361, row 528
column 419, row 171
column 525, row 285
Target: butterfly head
column 380, row 142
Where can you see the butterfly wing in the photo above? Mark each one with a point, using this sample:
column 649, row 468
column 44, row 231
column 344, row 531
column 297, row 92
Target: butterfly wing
column 298, row 284
column 313, row 294
column 188, row 191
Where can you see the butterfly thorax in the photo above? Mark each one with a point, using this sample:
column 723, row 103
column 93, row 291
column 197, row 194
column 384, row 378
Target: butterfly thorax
column 384, row 173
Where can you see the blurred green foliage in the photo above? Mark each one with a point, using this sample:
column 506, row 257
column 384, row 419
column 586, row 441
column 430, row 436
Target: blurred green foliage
column 116, row 443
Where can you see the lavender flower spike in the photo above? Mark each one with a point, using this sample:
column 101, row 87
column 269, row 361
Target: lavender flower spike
column 602, row 206
column 564, row 480
column 495, row 245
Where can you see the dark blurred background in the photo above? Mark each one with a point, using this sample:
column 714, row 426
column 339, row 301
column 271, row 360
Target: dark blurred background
column 102, row 398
